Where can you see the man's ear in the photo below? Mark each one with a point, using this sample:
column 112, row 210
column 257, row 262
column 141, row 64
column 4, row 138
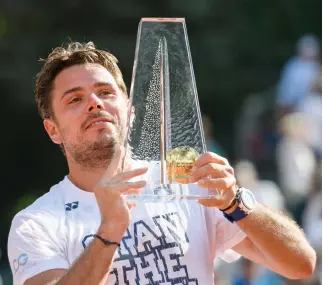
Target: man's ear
column 53, row 131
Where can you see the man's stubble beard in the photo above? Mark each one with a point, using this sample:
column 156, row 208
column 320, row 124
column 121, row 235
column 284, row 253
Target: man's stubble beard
column 95, row 154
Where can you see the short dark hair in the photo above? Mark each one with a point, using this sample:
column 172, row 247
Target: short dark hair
column 62, row 57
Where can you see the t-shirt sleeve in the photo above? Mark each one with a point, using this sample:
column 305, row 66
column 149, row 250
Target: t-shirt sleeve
column 34, row 246
column 225, row 235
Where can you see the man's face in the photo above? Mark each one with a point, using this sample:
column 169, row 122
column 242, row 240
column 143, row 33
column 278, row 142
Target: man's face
column 90, row 114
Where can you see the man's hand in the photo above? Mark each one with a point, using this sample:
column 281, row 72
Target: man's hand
column 94, row 264
column 115, row 210
column 278, row 243
column 214, row 172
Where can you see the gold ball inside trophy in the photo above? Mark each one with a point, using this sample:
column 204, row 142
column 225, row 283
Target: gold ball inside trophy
column 179, row 163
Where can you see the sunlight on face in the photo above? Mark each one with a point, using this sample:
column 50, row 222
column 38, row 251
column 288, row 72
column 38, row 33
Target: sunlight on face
column 90, row 114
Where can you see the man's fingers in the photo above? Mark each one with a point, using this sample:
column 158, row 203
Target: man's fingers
column 207, row 202
column 126, row 186
column 212, row 169
column 131, row 205
column 209, row 157
column 124, row 176
column 218, row 183
column 132, row 192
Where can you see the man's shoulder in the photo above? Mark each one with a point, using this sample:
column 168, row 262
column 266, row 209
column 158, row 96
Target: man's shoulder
column 46, row 206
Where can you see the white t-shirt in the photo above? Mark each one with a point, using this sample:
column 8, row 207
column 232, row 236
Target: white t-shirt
column 166, row 243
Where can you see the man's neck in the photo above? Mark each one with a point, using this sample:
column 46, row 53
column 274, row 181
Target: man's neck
column 86, row 178
column 83, row 178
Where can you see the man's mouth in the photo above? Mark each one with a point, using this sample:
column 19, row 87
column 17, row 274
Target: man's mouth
column 98, row 121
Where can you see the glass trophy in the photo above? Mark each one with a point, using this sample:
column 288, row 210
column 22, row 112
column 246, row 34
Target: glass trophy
column 164, row 129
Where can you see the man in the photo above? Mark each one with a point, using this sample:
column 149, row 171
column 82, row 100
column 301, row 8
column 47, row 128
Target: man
column 71, row 235
column 298, row 75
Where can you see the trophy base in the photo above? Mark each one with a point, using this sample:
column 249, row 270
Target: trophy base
column 172, row 192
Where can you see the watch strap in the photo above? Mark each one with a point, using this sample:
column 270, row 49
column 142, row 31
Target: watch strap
column 240, row 212
column 237, row 215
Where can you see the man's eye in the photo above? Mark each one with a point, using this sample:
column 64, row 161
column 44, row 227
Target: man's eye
column 74, row 100
column 106, row 92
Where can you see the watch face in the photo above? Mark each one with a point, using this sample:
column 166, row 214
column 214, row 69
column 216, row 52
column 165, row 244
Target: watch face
column 248, row 199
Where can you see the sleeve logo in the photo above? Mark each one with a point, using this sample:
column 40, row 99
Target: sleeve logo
column 19, row 262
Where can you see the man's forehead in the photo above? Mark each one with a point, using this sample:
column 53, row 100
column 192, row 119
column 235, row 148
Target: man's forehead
column 82, row 76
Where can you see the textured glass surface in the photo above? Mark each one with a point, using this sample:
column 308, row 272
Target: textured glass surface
column 166, row 130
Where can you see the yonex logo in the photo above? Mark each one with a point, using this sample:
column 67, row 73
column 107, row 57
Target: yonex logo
column 71, row 206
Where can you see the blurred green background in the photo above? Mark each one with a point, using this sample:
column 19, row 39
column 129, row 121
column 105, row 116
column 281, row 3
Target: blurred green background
column 238, row 49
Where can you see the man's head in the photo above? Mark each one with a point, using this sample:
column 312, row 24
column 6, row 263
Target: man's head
column 81, row 96
column 308, row 47
column 246, row 173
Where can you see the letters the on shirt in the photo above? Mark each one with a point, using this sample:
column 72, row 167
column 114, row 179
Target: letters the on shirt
column 152, row 254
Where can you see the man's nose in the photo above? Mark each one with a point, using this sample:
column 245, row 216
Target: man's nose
column 94, row 104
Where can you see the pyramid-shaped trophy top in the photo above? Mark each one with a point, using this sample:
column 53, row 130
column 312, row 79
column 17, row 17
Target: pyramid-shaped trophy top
column 165, row 120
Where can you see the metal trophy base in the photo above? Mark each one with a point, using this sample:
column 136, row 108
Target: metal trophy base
column 172, row 192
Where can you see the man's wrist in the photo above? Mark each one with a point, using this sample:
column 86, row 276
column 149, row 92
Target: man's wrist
column 106, row 241
column 245, row 203
column 230, row 205
column 232, row 209
column 110, row 233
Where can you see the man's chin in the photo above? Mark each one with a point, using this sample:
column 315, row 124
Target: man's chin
column 101, row 134
column 105, row 137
